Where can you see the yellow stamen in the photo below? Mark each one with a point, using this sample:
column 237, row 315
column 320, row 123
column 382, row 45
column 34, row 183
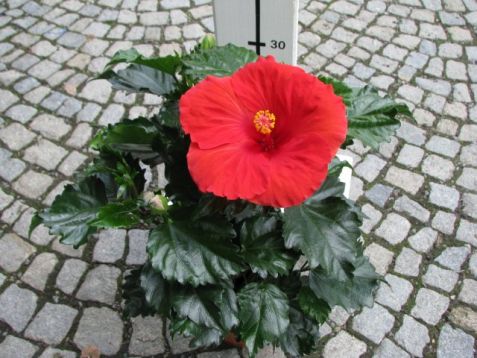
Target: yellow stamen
column 264, row 121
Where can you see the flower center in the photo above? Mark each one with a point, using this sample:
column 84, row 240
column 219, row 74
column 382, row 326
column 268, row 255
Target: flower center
column 264, row 121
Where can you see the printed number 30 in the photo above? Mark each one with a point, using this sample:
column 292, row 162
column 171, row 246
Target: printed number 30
column 278, row 44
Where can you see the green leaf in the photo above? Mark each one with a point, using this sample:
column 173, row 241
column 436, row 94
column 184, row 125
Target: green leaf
column 156, row 290
column 301, row 335
column 349, row 294
column 34, row 223
column 140, row 78
column 264, row 315
column 313, row 306
column 118, row 215
column 167, row 64
column 72, row 212
column 190, row 254
column 371, row 118
column 210, row 306
column 263, row 249
column 325, row 228
column 135, row 303
column 202, row 336
column 135, row 136
column 217, row 61
column 339, row 88
column 120, row 173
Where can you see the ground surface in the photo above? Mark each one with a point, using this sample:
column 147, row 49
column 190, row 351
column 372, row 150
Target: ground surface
column 419, row 191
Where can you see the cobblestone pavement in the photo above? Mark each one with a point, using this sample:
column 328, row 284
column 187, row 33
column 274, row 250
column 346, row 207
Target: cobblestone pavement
column 419, row 191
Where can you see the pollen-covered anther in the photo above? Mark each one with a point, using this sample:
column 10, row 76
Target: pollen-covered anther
column 264, row 121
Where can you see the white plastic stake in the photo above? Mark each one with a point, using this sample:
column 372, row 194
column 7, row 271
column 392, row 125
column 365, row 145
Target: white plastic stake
column 268, row 27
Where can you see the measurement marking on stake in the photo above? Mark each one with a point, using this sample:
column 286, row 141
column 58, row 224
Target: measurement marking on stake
column 257, row 42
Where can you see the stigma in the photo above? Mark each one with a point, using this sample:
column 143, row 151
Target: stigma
column 264, row 121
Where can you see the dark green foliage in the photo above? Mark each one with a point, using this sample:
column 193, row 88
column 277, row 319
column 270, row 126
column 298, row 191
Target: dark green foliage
column 217, row 61
column 192, row 254
column 325, row 228
column 140, row 78
column 263, row 249
column 72, row 213
column 217, row 266
column 350, row 294
column 371, row 118
column 264, row 314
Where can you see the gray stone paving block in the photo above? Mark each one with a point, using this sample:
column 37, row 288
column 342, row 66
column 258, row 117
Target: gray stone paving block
column 5, row 199
column 41, row 236
column 444, row 222
column 404, row 179
column 147, row 338
column 70, row 274
column 373, row 323
column 468, row 179
column 394, row 293
column 38, row 272
column 2, row 279
column 229, row 353
column 370, row 167
column 89, row 112
column 98, row 91
column 411, row 93
column 51, row 324
column 17, row 306
column 12, row 213
column 440, row 278
column 464, row 317
column 100, row 327
column 54, row 101
column 80, row 136
column 68, row 250
column 22, row 225
column 137, row 254
column 437, row 86
column 57, row 353
column 387, row 349
column 379, row 194
column 344, row 345
column 45, row 154
column 11, row 168
column 270, row 352
column 26, row 85
column 467, row 232
column 372, row 217
column 444, row 146
column 100, row 285
column 21, row 113
column 44, row 69
column 438, row 167
column 18, row 251
column 410, row 155
column 72, row 40
column 406, row 205
column 430, row 306
column 444, row 196
column 468, row 292
column 16, row 136
column 394, row 228
column 379, row 257
column 454, row 257
column 454, row 343
column 110, row 246
column 339, row 316
column 13, row 347
column 412, row 336
column 408, row 262
column 71, row 163
column 112, row 114
column 473, row 264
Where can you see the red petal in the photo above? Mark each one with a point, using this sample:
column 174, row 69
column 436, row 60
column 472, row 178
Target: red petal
column 234, row 171
column 297, row 169
column 212, row 115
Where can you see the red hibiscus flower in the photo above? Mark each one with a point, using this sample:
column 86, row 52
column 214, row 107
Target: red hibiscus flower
column 266, row 134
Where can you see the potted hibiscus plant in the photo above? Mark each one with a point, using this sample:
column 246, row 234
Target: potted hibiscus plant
column 252, row 239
